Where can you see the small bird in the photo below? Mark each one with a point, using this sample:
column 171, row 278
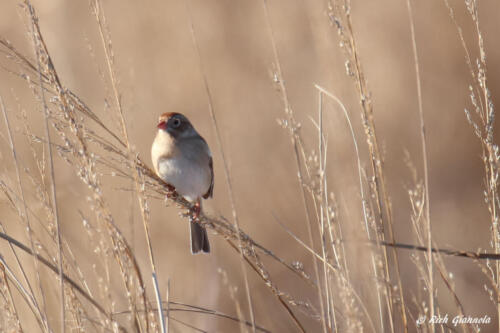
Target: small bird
column 181, row 158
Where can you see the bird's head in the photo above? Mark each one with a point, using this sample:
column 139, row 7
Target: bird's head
column 175, row 124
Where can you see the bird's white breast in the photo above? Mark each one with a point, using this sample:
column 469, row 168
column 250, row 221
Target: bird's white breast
column 189, row 180
column 184, row 166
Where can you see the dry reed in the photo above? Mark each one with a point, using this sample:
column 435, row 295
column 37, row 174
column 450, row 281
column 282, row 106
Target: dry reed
column 338, row 299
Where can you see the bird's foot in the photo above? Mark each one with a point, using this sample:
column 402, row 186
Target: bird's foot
column 195, row 212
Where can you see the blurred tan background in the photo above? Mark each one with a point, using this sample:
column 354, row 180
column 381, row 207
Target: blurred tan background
column 158, row 71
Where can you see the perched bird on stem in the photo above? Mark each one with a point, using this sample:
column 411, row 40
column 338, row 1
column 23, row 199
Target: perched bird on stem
column 181, row 158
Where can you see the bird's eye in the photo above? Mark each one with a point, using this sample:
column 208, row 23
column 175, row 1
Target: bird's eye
column 176, row 122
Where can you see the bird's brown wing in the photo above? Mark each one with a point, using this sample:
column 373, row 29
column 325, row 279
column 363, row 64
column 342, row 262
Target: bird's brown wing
column 210, row 191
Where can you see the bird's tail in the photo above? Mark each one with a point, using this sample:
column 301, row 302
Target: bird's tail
column 199, row 238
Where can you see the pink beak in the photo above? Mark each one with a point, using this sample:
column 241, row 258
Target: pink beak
column 162, row 125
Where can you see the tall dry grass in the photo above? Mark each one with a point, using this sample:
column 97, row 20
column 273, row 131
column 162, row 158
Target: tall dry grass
column 86, row 245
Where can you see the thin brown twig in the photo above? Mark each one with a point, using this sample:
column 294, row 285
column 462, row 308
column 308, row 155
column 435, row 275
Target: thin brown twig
column 18, row 198
column 202, row 310
column 54, row 269
column 449, row 252
column 10, row 307
column 25, row 294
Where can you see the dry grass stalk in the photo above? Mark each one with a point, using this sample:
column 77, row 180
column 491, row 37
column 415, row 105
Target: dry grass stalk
column 346, row 287
column 293, row 127
column 138, row 181
column 9, row 320
column 340, row 15
column 94, row 151
column 35, row 33
column 81, row 147
column 426, row 201
column 25, row 217
column 224, row 161
column 482, row 121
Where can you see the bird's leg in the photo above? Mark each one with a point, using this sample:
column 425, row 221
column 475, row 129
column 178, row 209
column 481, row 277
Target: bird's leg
column 196, row 209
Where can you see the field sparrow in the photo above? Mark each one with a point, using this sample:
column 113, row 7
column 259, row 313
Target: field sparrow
column 181, row 158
